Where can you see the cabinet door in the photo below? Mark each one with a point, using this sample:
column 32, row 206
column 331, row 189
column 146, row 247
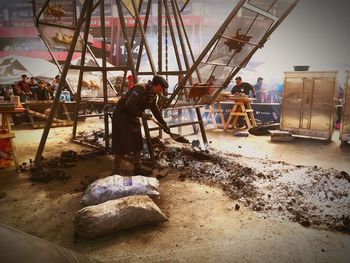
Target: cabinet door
column 323, row 104
column 292, row 102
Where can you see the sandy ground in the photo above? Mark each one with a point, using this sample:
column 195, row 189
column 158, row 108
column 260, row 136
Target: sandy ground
column 203, row 224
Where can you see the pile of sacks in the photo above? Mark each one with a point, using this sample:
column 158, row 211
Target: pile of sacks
column 116, row 203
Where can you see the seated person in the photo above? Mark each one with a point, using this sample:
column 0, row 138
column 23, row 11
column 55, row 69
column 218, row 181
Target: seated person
column 42, row 93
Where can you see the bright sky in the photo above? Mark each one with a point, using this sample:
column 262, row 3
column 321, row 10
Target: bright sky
column 316, row 33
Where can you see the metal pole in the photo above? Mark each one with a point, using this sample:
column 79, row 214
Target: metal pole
column 186, row 37
column 182, row 44
column 60, row 86
column 104, row 72
column 143, row 34
column 160, row 37
column 40, row 12
column 135, row 27
column 126, row 40
column 172, row 33
column 139, row 55
column 201, row 125
column 81, row 73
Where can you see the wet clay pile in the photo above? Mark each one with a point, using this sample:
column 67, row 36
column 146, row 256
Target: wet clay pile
column 312, row 196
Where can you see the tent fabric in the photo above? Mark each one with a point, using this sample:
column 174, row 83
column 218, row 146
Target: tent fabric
column 12, row 67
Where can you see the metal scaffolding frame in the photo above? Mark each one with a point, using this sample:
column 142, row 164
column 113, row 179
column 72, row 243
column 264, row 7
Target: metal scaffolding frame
column 241, row 43
column 188, row 68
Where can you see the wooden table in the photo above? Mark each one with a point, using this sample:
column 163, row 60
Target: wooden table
column 241, row 107
column 6, row 125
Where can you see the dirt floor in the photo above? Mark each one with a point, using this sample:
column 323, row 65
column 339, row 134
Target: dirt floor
column 203, row 226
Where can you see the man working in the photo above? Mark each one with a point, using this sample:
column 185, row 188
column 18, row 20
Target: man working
column 246, row 88
column 126, row 129
column 243, row 87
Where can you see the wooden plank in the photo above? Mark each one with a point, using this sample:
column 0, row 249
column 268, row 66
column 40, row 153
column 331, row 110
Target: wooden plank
column 9, row 135
column 43, row 116
column 55, row 124
column 66, row 111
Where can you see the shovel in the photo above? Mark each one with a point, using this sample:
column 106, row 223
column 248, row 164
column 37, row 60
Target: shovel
column 176, row 137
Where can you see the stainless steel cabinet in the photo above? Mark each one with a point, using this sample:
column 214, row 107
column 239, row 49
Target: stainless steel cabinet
column 345, row 122
column 308, row 103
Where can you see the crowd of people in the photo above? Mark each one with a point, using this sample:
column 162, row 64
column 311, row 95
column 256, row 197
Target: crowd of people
column 31, row 89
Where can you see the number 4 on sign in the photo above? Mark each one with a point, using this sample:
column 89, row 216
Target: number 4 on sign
column 135, row 51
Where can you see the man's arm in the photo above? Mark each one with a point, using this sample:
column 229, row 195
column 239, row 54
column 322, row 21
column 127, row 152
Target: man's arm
column 158, row 115
column 131, row 102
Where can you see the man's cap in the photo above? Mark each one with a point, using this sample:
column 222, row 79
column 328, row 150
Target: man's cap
column 157, row 79
column 238, row 78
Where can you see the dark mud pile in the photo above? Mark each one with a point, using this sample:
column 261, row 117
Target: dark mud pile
column 311, row 196
column 53, row 169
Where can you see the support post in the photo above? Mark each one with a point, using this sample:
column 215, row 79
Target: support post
column 60, row 86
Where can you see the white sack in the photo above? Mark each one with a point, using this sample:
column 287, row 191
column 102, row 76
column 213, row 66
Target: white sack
column 116, row 186
column 115, row 215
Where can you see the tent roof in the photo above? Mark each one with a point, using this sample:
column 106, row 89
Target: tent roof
column 13, row 66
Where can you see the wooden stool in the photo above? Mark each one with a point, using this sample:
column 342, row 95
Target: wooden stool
column 242, row 108
column 212, row 111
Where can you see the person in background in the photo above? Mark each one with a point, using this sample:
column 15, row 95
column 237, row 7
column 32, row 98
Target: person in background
column 42, row 93
column 50, row 91
column 279, row 89
column 55, row 83
column 260, row 95
column 33, row 86
column 126, row 129
column 24, row 87
column 247, row 89
column 18, row 92
column 243, row 87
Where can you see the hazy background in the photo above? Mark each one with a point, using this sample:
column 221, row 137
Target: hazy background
column 316, row 33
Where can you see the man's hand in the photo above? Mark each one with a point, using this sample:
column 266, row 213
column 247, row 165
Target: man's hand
column 146, row 116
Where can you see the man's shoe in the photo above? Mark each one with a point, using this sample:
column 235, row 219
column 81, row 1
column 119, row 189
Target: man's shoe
column 143, row 170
